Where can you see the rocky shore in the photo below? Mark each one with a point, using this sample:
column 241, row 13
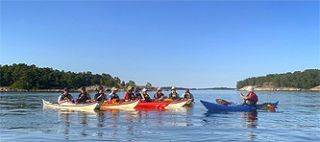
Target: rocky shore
column 257, row 88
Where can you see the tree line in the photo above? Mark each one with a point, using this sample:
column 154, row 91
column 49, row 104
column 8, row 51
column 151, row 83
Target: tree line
column 31, row 77
column 305, row 80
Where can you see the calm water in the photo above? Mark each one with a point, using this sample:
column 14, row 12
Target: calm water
column 22, row 118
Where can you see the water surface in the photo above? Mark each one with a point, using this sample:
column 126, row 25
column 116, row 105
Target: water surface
column 22, row 118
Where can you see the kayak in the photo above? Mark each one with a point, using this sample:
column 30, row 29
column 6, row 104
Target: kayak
column 107, row 105
column 176, row 104
column 152, row 105
column 70, row 106
column 213, row 107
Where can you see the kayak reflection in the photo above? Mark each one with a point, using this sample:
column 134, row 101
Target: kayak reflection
column 64, row 116
column 250, row 121
column 106, row 124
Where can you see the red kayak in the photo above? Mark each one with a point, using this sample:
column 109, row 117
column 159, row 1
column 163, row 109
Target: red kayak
column 152, row 105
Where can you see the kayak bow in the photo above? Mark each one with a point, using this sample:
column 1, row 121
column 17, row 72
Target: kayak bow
column 70, row 106
column 176, row 104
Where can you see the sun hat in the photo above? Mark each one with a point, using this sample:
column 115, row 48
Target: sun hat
column 144, row 90
column 249, row 88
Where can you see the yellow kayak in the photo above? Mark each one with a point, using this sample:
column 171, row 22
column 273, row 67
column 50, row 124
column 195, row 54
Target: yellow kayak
column 121, row 106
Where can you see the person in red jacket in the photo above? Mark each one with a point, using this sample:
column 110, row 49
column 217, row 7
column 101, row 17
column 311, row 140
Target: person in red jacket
column 129, row 94
column 251, row 98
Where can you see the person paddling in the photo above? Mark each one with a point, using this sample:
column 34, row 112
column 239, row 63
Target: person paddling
column 159, row 96
column 114, row 97
column 83, row 96
column 137, row 93
column 100, row 96
column 251, row 98
column 65, row 97
column 174, row 95
column 129, row 94
column 145, row 95
column 188, row 95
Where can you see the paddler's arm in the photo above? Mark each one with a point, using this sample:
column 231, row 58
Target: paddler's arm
column 60, row 101
column 242, row 96
column 98, row 97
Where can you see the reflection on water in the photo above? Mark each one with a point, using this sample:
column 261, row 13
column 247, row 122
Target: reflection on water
column 114, row 120
column 247, row 120
column 65, row 118
column 250, row 119
column 100, row 123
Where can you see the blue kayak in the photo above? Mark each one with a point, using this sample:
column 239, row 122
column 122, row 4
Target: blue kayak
column 213, row 107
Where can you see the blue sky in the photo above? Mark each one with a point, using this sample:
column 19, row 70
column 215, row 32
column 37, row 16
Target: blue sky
column 191, row 44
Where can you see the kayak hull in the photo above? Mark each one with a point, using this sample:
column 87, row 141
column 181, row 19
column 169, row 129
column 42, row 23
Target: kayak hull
column 69, row 106
column 213, row 107
column 152, row 105
column 120, row 106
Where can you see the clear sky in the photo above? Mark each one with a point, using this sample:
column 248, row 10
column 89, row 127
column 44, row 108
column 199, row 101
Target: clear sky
column 191, row 44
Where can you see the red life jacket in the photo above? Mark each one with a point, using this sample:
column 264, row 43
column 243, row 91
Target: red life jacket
column 252, row 97
column 129, row 96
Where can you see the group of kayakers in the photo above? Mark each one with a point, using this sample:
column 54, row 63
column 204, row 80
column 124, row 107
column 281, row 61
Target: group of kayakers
column 131, row 94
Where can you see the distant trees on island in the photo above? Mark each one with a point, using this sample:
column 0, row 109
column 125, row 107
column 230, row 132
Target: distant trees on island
column 30, row 77
column 305, row 80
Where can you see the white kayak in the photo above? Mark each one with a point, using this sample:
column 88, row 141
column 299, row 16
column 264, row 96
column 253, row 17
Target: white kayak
column 176, row 104
column 121, row 106
column 70, row 106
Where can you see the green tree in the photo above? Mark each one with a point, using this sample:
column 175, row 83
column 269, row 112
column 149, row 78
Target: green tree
column 23, row 76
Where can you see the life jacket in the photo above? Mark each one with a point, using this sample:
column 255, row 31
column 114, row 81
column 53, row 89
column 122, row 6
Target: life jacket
column 65, row 97
column 103, row 97
column 139, row 96
column 129, row 96
column 115, row 96
column 158, row 95
column 252, row 98
column 174, row 96
column 187, row 96
column 83, row 97
column 147, row 97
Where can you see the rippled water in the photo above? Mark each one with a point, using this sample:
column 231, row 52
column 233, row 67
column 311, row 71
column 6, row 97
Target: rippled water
column 297, row 119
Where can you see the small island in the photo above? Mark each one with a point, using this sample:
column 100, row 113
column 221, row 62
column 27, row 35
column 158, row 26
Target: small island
column 307, row 80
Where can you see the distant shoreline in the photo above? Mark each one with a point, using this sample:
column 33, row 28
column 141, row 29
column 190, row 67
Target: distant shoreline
column 277, row 89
